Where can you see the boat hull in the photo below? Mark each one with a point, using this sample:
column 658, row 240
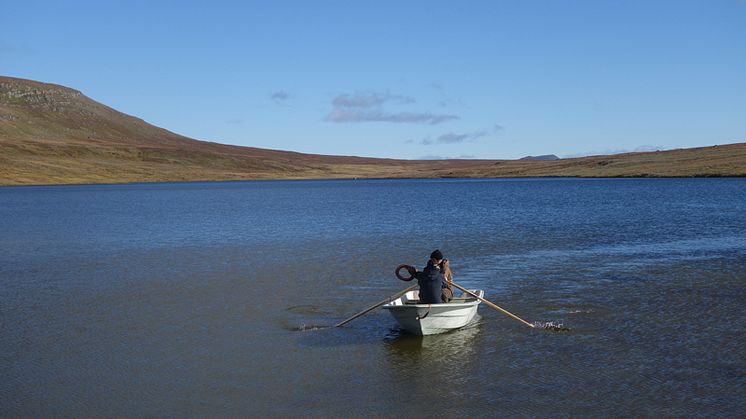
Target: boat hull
column 430, row 319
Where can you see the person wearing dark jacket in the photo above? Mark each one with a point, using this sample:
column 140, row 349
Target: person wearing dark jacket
column 432, row 281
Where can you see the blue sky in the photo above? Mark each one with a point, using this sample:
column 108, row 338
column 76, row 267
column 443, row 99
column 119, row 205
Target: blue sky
column 401, row 79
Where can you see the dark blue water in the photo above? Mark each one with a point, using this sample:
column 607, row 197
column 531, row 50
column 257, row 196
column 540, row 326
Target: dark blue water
column 185, row 299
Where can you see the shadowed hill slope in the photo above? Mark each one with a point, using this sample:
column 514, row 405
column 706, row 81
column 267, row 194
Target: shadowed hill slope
column 51, row 134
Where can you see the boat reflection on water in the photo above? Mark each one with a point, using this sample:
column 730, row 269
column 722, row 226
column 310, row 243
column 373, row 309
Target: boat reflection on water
column 406, row 349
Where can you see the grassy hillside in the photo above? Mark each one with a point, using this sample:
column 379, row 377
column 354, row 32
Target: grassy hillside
column 51, row 134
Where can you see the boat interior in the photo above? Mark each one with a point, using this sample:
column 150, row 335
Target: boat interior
column 413, row 297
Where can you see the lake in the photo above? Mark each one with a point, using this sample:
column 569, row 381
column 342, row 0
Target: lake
column 202, row 299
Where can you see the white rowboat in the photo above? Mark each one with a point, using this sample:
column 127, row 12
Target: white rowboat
column 429, row 319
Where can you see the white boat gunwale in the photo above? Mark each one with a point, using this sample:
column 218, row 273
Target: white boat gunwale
column 427, row 319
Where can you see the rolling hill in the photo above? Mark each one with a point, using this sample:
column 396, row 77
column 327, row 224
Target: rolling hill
column 50, row 134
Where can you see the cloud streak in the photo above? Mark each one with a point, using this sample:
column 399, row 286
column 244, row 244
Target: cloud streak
column 453, row 138
column 368, row 100
column 280, row 96
column 340, row 115
column 368, row 107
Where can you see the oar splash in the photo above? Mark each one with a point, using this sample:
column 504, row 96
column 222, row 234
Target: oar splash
column 551, row 326
column 554, row 327
column 306, row 328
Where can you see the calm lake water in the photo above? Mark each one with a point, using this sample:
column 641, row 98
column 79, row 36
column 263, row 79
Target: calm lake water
column 185, row 299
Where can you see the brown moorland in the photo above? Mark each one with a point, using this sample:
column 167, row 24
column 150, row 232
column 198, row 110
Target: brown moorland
column 50, row 134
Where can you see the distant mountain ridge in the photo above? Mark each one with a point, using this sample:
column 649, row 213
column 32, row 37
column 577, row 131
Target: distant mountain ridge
column 542, row 157
column 51, row 134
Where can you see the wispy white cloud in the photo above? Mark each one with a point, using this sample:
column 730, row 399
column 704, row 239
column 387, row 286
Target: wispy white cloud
column 346, row 115
column 279, row 97
column 453, row 138
column 368, row 100
column 368, row 107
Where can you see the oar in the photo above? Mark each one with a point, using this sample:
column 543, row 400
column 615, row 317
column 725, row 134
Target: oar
column 493, row 305
column 397, row 295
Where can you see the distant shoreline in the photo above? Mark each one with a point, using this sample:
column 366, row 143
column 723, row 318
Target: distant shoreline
column 17, row 185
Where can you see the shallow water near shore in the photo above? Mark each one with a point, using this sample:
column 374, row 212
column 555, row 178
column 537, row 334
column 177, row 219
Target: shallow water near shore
column 195, row 299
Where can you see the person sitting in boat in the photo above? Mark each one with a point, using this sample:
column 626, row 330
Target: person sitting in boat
column 447, row 291
column 433, row 284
